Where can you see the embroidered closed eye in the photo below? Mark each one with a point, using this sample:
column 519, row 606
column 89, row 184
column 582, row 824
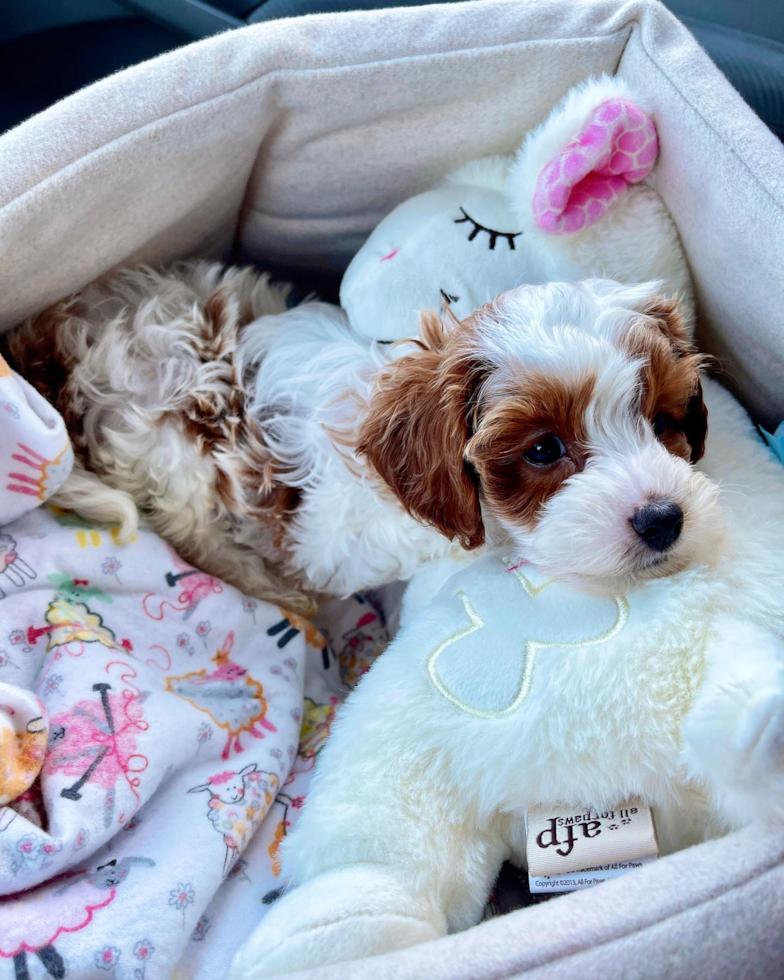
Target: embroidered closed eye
column 491, row 232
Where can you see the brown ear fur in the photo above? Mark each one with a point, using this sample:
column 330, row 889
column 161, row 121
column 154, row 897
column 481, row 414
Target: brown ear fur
column 416, row 430
column 672, row 324
column 695, row 424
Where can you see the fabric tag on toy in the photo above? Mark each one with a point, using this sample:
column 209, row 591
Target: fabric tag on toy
column 567, row 850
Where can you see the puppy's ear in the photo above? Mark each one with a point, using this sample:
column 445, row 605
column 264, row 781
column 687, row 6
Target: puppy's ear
column 671, row 321
column 695, row 424
column 416, row 430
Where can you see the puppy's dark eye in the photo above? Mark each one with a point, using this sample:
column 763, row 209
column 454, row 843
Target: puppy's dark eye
column 659, row 424
column 545, row 452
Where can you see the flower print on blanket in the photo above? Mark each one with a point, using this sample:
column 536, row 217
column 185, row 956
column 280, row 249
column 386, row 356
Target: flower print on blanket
column 208, row 688
column 229, row 695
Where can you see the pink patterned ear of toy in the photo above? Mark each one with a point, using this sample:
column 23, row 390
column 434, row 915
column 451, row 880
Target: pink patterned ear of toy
column 617, row 147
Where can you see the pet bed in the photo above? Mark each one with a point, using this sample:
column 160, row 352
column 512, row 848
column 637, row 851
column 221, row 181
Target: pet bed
column 286, row 143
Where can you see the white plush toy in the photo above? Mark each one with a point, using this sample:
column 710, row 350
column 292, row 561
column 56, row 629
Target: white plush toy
column 569, row 206
column 509, row 691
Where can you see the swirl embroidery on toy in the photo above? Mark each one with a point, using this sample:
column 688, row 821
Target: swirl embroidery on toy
column 531, row 648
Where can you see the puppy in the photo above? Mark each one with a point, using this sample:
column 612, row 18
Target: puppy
column 563, row 419
column 142, row 367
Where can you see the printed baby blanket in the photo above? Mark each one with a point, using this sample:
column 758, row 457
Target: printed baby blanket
column 157, row 734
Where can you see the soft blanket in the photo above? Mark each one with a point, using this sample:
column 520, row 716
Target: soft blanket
column 157, row 734
column 175, row 724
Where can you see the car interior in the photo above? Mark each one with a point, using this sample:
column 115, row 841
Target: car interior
column 50, row 48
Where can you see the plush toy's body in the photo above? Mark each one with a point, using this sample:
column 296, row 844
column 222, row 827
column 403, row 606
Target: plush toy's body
column 568, row 206
column 506, row 692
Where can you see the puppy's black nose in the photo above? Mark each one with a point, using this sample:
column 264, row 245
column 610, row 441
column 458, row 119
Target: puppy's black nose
column 659, row 524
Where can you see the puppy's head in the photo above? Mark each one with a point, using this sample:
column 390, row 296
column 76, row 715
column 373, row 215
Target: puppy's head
column 571, row 414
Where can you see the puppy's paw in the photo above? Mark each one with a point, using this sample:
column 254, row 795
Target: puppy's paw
column 342, row 915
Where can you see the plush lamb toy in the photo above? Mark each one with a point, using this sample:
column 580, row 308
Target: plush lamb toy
column 509, row 691
column 569, row 206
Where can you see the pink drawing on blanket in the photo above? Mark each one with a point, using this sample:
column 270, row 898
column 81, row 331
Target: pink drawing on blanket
column 13, row 569
column 363, row 645
column 193, row 584
column 95, row 742
column 229, row 695
column 48, row 474
column 33, row 921
column 616, row 147
column 238, row 802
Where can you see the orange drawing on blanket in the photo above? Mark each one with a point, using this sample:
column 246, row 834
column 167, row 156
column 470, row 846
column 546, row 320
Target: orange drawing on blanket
column 274, row 848
column 21, row 756
column 313, row 637
column 284, row 802
column 229, row 695
column 45, row 476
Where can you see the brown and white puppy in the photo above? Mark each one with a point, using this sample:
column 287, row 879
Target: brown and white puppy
column 561, row 420
column 142, row 365
column 565, row 418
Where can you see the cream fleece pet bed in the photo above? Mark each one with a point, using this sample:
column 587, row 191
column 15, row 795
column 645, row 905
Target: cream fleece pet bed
column 286, row 143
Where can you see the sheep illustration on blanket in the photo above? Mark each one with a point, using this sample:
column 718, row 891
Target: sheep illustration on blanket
column 229, row 695
column 238, row 802
column 34, row 922
column 13, row 569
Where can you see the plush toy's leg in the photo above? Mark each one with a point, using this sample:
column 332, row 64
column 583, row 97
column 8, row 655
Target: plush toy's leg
column 344, row 914
column 734, row 732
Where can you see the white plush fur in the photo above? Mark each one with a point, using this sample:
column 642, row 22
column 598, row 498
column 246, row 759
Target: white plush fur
column 415, row 803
